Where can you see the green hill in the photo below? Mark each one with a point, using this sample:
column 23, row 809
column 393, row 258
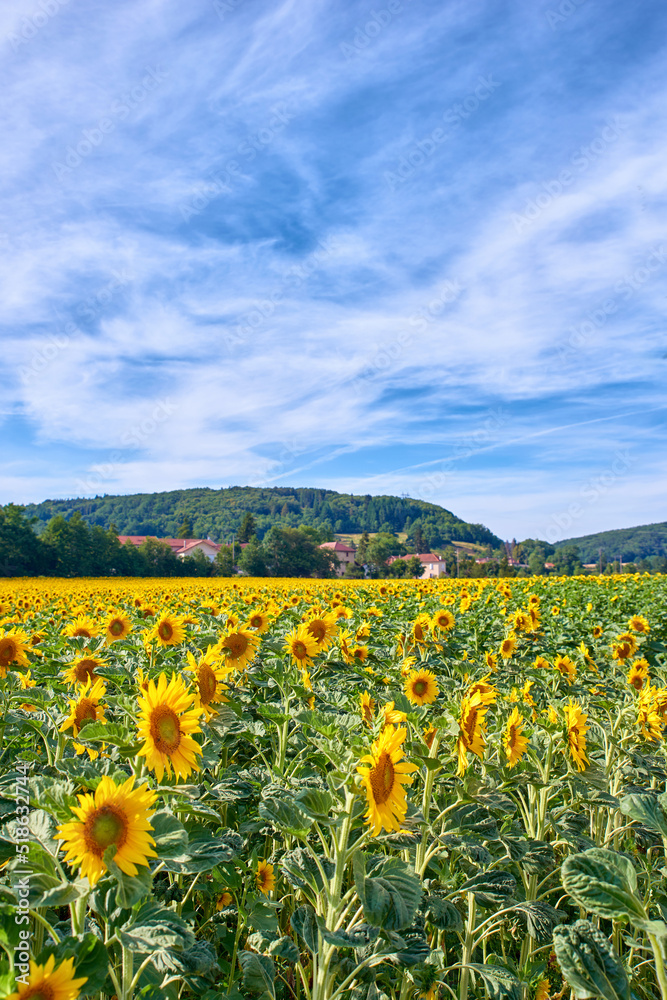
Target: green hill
column 218, row 513
column 629, row 544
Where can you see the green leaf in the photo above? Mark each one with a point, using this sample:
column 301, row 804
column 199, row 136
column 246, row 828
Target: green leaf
column 65, row 893
column 104, row 732
column 205, row 851
column 500, row 983
column 131, row 888
column 490, row 889
column 589, row 962
column 390, row 898
column 90, row 959
column 647, row 809
column 442, row 913
column 539, row 859
column 304, row 923
column 360, row 936
column 155, row 927
column 285, row 816
column 171, row 837
column 285, row 948
column 263, row 917
column 604, row 883
column 473, row 818
column 259, row 972
column 56, row 796
column 316, row 803
column 301, row 871
column 540, row 917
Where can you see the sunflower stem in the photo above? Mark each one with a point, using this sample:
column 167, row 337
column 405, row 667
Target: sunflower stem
column 127, row 987
column 420, row 854
column 468, row 947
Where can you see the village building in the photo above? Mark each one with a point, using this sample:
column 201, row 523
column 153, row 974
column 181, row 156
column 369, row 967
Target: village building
column 433, row 565
column 181, row 547
column 344, row 553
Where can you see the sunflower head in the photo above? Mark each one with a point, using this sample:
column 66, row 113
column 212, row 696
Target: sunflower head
column 114, row 816
column 167, row 722
column 265, row 878
column 50, row 982
column 421, row 687
column 86, row 708
column 384, row 779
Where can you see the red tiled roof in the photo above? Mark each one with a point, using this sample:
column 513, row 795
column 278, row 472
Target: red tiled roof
column 177, row 545
column 338, row 547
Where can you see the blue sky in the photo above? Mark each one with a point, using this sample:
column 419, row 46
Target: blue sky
column 410, row 247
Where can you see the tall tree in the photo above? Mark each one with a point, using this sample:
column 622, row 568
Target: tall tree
column 247, row 529
column 186, row 529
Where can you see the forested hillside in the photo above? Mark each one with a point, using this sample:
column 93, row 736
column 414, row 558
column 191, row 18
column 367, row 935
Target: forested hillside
column 628, row 544
column 218, row 513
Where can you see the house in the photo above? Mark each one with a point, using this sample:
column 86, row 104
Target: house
column 433, row 565
column 181, row 547
column 344, row 553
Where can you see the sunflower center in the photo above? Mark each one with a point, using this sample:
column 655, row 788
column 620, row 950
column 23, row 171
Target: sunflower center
column 165, row 729
column 85, row 711
column 382, row 778
column 104, row 827
column 299, row 650
column 116, row 627
column 165, row 631
column 317, row 630
column 207, row 684
column 256, row 621
column 419, row 632
column 237, row 644
column 420, row 687
column 83, row 631
column 7, row 651
column 43, row 992
column 85, row 670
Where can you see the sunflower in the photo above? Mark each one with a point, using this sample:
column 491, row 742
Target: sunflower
column 491, row 660
column 359, row 653
column 13, row 648
column 639, row 624
column 649, row 717
column 209, row 674
column 597, row 631
column 486, row 691
column 391, row 716
column 541, row 663
column 428, row 735
column 522, row 621
column 472, row 728
column 83, row 669
column 259, row 620
column 543, row 990
column 367, row 706
column 264, row 877
column 238, row 646
column 419, row 629
column 166, row 726
column 443, row 620
column 507, row 646
column 323, row 630
column 168, row 630
column 515, row 744
column 113, row 815
column 623, row 647
column 384, row 781
column 421, row 687
column 565, row 666
column 637, row 674
column 301, row 646
column 118, row 627
column 576, row 734
column 224, row 900
column 50, row 982
column 85, row 708
column 82, row 626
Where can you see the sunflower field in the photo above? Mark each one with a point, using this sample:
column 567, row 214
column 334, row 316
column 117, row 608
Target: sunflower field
column 312, row 789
